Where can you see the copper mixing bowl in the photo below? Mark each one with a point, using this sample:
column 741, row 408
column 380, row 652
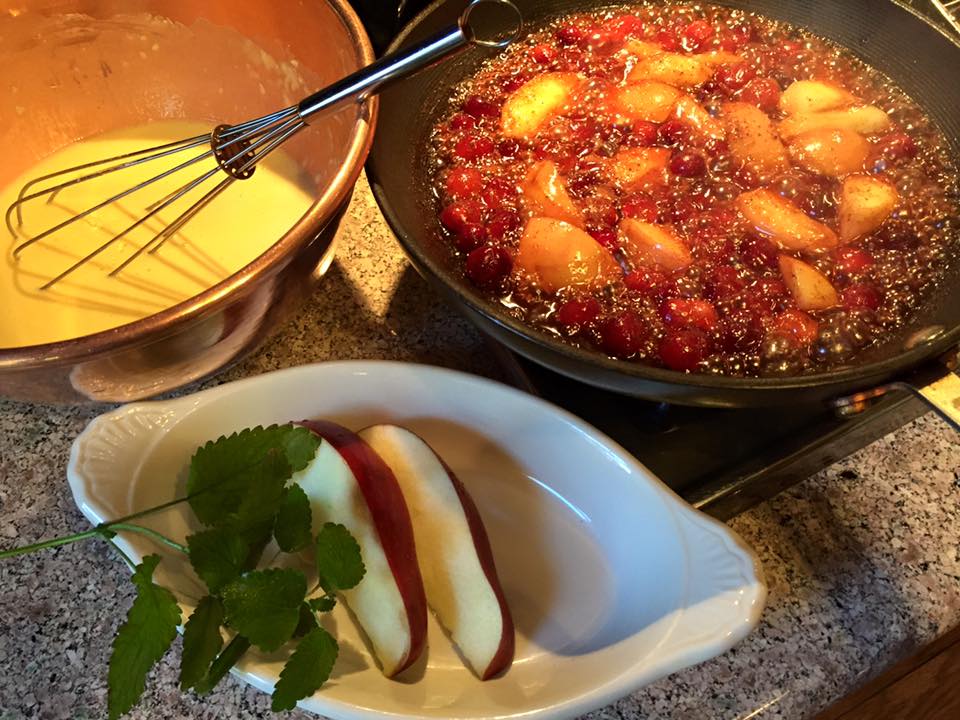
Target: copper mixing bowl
column 70, row 69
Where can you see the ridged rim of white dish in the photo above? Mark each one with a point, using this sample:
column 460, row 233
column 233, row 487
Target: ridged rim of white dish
column 715, row 555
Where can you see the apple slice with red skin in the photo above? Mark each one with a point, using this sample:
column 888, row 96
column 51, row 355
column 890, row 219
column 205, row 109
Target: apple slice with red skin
column 348, row 483
column 453, row 550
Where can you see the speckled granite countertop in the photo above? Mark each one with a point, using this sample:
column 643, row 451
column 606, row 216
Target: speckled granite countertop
column 862, row 560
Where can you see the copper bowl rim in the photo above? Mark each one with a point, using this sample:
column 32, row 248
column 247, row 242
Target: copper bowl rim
column 337, row 192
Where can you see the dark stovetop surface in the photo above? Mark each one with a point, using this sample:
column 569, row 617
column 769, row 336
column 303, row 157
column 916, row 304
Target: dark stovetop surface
column 723, row 461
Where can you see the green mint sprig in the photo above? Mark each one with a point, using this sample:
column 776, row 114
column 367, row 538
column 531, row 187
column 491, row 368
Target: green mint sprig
column 239, row 489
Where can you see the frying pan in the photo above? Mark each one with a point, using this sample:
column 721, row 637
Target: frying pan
column 890, row 36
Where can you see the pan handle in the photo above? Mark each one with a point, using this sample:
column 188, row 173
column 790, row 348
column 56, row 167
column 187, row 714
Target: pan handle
column 937, row 384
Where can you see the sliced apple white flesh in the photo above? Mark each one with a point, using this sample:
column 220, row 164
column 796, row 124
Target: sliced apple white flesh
column 671, row 68
column 753, row 138
column 648, row 100
column 810, row 288
column 453, row 550
column 810, row 96
column 772, row 216
column 696, row 117
column 865, row 203
column 535, row 102
column 632, row 168
column 834, row 152
column 348, row 483
column 863, row 119
column 545, row 194
column 645, row 244
column 554, row 254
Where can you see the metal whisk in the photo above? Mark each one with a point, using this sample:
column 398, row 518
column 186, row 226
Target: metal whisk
column 237, row 149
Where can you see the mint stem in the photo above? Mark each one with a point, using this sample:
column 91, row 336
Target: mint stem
column 55, row 542
column 101, row 531
column 163, row 539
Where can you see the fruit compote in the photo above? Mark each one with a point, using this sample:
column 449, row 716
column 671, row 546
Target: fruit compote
column 695, row 188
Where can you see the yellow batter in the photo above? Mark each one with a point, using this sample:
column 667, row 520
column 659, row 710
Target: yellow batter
column 230, row 232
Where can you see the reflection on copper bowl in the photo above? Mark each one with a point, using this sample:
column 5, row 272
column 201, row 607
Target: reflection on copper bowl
column 53, row 54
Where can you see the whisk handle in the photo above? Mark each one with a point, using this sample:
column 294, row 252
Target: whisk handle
column 407, row 61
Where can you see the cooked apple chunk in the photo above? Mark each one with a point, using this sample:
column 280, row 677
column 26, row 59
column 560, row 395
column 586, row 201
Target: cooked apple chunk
column 835, row 152
column 865, row 202
column 716, row 58
column 752, row 137
column 813, row 96
column 545, row 195
column 650, row 101
column 632, row 168
column 645, row 244
column 774, row 217
column 535, row 102
column 671, row 68
column 696, row 117
column 863, row 119
column 554, row 254
column 641, row 48
column 810, row 288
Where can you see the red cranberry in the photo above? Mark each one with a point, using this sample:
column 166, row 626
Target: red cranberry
column 606, row 237
column 456, row 216
column 508, row 147
column 643, row 134
column 639, row 206
column 478, row 107
column 488, row 265
column 462, row 121
column 572, row 34
column 688, row 164
column 696, row 34
column 543, row 54
column 853, row 261
column 740, row 329
column 668, row 40
column 733, row 39
column 578, row 313
column 762, row 92
column 470, row 237
column 797, row 325
column 769, row 288
column 499, row 193
column 759, row 253
column 682, row 312
column 861, row 295
column 622, row 335
column 646, row 281
column 673, row 132
column 732, row 78
column 897, row 146
column 464, row 183
column 684, row 349
column 624, row 26
column 502, row 223
column 791, row 50
column 723, row 282
column 472, row 147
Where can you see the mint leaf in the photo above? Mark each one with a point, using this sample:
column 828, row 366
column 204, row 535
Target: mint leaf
column 264, row 605
column 339, row 563
column 322, row 604
column 142, row 640
column 292, row 526
column 307, row 621
column 221, row 666
column 223, row 472
column 306, row 670
column 201, row 641
column 217, row 556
